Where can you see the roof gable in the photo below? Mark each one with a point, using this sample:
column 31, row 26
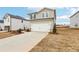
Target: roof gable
column 46, row 9
column 42, row 10
column 74, row 14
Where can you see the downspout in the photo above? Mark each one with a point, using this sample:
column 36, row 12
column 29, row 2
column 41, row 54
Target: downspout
column 10, row 24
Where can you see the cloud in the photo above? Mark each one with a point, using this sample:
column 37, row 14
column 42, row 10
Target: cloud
column 70, row 11
column 34, row 9
column 63, row 17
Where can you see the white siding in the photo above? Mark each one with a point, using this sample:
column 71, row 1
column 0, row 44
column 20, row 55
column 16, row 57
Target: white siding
column 26, row 24
column 39, row 15
column 16, row 24
column 50, row 14
column 74, row 21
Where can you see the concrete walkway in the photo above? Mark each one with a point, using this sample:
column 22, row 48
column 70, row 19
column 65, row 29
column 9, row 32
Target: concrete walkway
column 22, row 42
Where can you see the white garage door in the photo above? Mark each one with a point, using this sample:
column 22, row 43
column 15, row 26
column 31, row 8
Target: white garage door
column 40, row 27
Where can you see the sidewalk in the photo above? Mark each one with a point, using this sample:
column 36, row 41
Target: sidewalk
column 21, row 43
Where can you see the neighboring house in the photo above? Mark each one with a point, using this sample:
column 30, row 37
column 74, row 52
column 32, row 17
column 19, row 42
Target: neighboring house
column 42, row 20
column 74, row 20
column 13, row 22
column 1, row 25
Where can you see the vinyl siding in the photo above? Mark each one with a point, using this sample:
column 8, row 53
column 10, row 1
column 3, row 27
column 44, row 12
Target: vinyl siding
column 74, row 21
column 16, row 24
column 43, row 13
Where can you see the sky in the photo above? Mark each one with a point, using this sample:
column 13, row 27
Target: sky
column 62, row 13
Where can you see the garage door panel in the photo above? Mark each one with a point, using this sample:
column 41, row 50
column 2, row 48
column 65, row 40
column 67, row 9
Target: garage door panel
column 40, row 27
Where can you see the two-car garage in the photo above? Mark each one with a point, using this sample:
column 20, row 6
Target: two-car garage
column 41, row 27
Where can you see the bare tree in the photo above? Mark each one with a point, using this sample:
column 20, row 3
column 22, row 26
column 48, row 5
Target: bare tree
column 54, row 27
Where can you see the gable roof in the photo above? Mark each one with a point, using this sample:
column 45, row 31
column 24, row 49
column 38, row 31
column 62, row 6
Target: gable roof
column 74, row 14
column 41, row 10
column 14, row 16
column 1, row 21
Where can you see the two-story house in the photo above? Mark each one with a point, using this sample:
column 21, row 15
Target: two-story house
column 13, row 22
column 42, row 20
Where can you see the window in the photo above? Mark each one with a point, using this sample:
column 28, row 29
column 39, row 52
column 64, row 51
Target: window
column 34, row 16
column 30, row 16
column 43, row 15
column 46, row 14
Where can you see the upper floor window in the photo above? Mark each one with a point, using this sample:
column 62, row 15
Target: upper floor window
column 33, row 16
column 46, row 14
column 30, row 16
column 43, row 15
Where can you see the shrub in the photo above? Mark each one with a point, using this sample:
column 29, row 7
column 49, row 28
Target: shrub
column 28, row 30
column 76, row 25
column 1, row 29
column 19, row 31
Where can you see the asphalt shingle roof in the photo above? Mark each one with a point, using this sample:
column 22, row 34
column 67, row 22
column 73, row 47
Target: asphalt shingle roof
column 14, row 16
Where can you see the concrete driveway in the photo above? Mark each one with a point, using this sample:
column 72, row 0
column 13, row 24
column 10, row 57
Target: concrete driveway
column 21, row 43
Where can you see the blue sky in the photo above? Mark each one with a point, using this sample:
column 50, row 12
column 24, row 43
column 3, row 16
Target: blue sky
column 62, row 13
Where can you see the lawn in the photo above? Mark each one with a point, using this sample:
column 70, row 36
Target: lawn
column 67, row 40
column 6, row 34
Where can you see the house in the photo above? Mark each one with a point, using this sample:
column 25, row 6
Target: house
column 42, row 20
column 13, row 22
column 74, row 20
column 1, row 25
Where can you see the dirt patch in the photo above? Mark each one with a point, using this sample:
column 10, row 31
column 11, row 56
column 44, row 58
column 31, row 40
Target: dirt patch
column 7, row 34
column 67, row 40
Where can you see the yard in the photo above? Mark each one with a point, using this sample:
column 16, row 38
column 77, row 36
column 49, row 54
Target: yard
column 6, row 34
column 67, row 40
